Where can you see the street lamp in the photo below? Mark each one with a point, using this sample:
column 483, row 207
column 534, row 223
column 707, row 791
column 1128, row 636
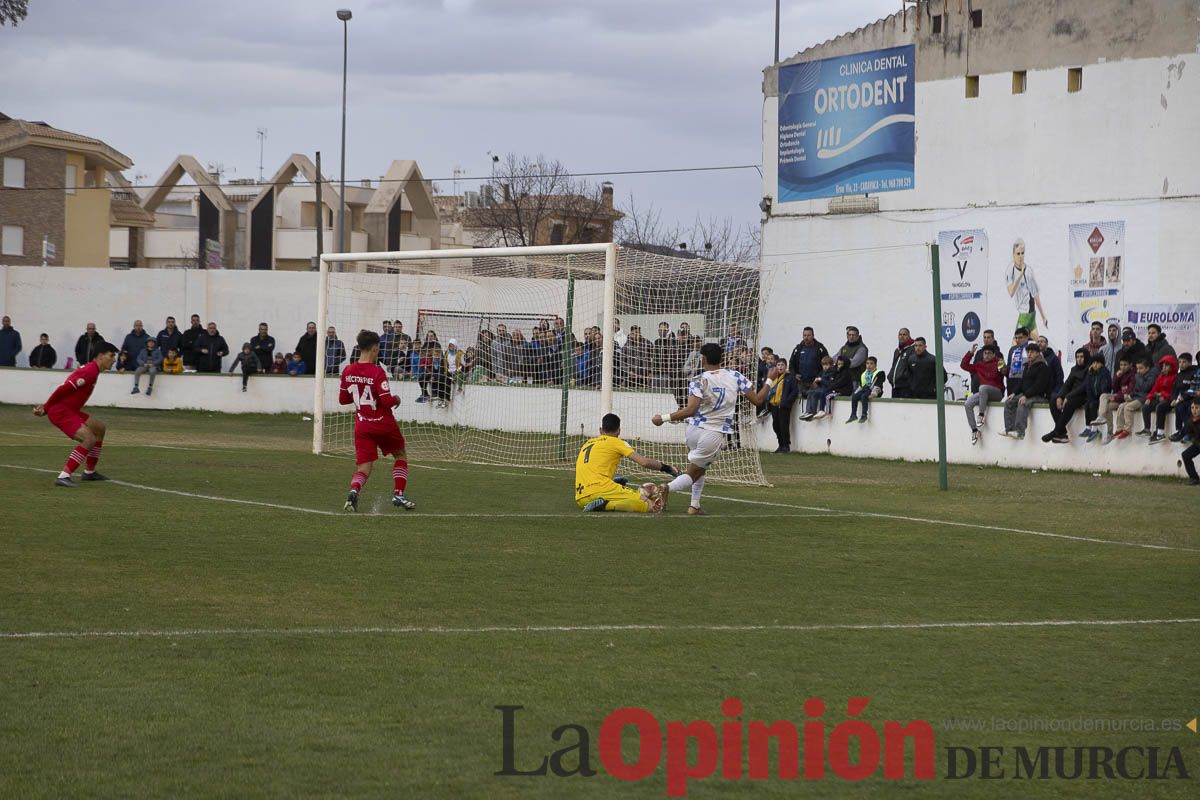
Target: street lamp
column 344, row 15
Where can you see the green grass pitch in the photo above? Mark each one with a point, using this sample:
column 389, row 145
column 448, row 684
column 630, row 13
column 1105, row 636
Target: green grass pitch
column 286, row 653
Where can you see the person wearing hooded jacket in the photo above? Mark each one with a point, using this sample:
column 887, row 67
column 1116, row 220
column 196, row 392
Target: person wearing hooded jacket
column 1069, row 399
column 1099, row 382
column 1158, row 401
column 1193, row 434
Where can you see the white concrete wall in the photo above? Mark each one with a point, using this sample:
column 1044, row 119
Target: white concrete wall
column 177, row 244
column 118, row 243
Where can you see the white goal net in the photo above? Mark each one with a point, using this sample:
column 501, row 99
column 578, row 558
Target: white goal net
column 510, row 356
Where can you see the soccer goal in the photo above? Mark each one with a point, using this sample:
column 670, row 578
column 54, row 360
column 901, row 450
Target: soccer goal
column 510, row 356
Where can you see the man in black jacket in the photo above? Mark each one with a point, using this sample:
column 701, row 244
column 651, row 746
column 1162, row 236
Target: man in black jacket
column 898, row 373
column 87, row 346
column 1157, row 344
column 170, row 338
column 263, row 346
column 43, row 355
column 921, row 366
column 1132, row 349
column 780, row 399
column 307, row 348
column 188, row 346
column 805, row 363
column 1069, row 399
column 1035, row 387
column 210, row 349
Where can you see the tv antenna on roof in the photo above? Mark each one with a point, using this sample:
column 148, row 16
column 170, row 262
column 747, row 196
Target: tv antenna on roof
column 262, row 137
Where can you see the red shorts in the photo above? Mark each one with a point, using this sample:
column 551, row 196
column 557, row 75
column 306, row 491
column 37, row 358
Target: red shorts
column 67, row 420
column 368, row 442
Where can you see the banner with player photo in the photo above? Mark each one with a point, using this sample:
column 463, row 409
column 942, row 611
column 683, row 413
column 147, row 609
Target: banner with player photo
column 1177, row 320
column 964, row 273
column 1097, row 251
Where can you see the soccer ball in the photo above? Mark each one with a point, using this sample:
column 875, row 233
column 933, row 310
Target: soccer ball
column 652, row 496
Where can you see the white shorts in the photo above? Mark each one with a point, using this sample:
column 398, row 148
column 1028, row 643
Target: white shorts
column 703, row 445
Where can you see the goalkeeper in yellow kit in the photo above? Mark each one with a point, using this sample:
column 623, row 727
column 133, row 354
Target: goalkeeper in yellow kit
column 595, row 487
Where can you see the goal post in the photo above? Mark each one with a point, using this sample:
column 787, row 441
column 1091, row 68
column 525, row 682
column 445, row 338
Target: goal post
column 511, row 355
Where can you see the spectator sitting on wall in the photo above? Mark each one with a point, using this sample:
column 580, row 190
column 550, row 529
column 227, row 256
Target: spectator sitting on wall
column 1111, row 347
column 210, row 349
column 149, row 362
column 1132, row 348
column 306, row 347
column 1054, row 362
column 124, row 363
column 989, row 337
column 1157, row 344
column 870, row 385
column 248, row 361
column 1192, row 435
column 280, row 365
column 170, row 337
column 1187, row 382
column 898, row 373
column 439, row 377
column 1143, row 382
column 172, row 364
column 1099, row 382
column 135, row 340
column 10, row 343
column 817, row 399
column 783, row 395
column 1035, row 387
column 856, row 352
column 335, row 352
column 805, row 362
column 921, row 366
column 296, row 365
column 44, row 357
column 1070, row 397
column 263, row 346
column 1110, row 402
column 192, row 335
column 88, row 345
column 984, row 368
column 1158, row 401
column 1014, row 368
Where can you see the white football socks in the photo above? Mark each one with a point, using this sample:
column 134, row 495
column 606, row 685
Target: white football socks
column 697, row 489
column 684, row 481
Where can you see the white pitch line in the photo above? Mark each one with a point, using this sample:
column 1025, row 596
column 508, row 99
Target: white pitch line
column 951, row 523
column 416, row 630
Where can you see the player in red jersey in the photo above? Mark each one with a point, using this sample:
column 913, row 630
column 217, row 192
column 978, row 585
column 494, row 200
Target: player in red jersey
column 65, row 410
column 365, row 384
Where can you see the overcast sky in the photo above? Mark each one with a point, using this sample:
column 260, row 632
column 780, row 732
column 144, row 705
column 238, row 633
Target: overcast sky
column 597, row 84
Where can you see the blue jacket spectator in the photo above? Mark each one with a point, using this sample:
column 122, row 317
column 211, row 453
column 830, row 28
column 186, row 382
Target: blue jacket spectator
column 10, row 343
column 335, row 352
column 135, row 340
column 805, row 362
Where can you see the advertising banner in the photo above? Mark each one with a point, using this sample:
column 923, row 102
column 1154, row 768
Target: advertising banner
column 1097, row 251
column 847, row 125
column 1177, row 320
column 964, row 271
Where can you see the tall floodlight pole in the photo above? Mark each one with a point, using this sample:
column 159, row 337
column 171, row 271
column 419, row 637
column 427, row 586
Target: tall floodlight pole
column 776, row 31
column 344, row 15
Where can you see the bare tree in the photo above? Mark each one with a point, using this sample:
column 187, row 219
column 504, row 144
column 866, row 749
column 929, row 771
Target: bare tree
column 13, row 11
column 537, row 201
column 712, row 238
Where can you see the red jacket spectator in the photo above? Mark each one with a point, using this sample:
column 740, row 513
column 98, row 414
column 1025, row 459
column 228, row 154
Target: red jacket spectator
column 1122, row 385
column 988, row 371
column 1164, row 385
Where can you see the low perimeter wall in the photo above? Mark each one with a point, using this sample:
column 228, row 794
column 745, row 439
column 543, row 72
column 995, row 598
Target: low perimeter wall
column 899, row 429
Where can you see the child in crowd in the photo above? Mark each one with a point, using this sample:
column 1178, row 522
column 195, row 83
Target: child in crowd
column 1122, row 387
column 822, row 389
column 296, row 365
column 471, row 370
column 1143, row 382
column 124, row 362
column 870, row 385
column 1158, row 401
column 991, row 384
column 248, row 362
column 1193, row 450
column 1098, row 383
column 280, row 365
column 172, row 363
column 1186, row 384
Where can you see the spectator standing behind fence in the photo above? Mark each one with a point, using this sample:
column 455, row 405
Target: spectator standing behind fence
column 135, row 340
column 10, row 343
column 985, row 368
column 1099, row 384
column 855, row 350
column 870, row 385
column 335, row 352
column 582, row 366
column 149, row 362
column 1187, row 382
column 307, row 348
column 1070, row 397
column 248, row 361
column 210, row 349
column 806, row 359
column 638, row 358
column 88, row 345
column 668, row 357
column 263, row 346
column 296, row 365
column 190, row 337
column 172, row 364
column 921, row 366
column 898, row 373
column 1035, row 387
column 280, row 365
column 170, row 337
column 44, row 357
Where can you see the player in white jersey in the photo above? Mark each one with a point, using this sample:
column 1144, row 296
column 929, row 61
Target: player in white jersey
column 711, row 412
